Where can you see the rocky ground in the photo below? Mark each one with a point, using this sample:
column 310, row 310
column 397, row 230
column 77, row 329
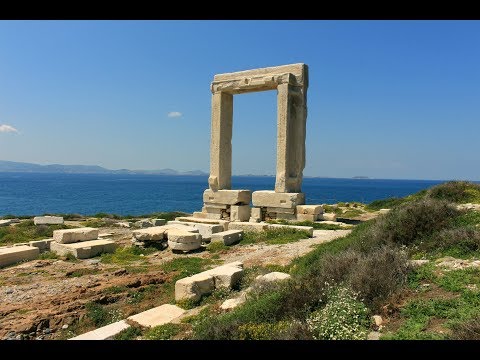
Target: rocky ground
column 41, row 299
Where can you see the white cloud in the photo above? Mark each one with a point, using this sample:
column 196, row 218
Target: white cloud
column 7, row 128
column 174, row 114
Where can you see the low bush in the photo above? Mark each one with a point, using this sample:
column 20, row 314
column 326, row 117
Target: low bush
column 48, row 255
column 375, row 275
column 163, row 332
column 457, row 242
column 468, row 330
column 344, row 317
column 409, row 223
column 456, row 191
column 100, row 316
column 262, row 331
column 385, row 203
column 26, row 231
column 130, row 333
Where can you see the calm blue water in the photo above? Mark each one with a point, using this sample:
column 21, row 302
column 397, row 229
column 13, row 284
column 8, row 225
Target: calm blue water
column 34, row 194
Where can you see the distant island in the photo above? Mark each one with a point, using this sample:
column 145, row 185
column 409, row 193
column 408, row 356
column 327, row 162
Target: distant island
column 11, row 166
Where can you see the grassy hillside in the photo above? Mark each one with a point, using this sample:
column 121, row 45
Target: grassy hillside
column 336, row 288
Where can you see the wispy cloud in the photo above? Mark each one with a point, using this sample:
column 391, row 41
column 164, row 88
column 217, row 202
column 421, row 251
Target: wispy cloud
column 7, row 128
column 174, row 114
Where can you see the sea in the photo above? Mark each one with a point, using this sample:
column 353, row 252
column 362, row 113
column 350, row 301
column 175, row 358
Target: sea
column 88, row 194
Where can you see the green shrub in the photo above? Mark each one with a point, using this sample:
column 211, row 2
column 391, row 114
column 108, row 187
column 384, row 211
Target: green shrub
column 458, row 242
column 352, row 213
column 100, row 316
column 332, row 209
column 344, row 317
column 257, row 309
column 48, row 255
column 130, row 333
column 261, row 331
column 164, row 332
column 385, row 203
column 468, row 330
column 408, row 223
column 71, row 257
column 456, row 191
column 26, row 231
column 375, row 275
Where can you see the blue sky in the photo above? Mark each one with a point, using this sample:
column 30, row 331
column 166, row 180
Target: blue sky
column 387, row 99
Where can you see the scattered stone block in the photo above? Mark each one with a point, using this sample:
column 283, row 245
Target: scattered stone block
column 124, row 224
column 68, row 236
column 144, row 223
column 8, row 222
column 105, row 235
column 194, row 287
column 182, row 240
column 209, row 205
column 240, row 212
column 191, row 219
column 212, row 210
column 199, row 215
column 228, row 237
column 233, row 303
column 48, row 220
column 159, row 222
column 282, row 216
column 42, row 245
column 255, row 214
column 237, row 263
column 328, row 216
column 378, row 320
column 159, row 315
column 183, row 246
column 273, row 277
column 206, row 230
column 183, row 236
column 309, row 209
column 227, row 197
column 247, row 226
column 15, row 254
column 226, row 276
column 84, row 249
column 155, row 233
column 270, row 198
column 307, row 217
column 213, row 216
column 104, row 333
column 281, row 210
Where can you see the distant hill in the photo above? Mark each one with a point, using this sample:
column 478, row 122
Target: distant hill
column 11, row 166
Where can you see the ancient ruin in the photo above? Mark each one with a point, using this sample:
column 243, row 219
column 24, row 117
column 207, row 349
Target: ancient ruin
column 223, row 203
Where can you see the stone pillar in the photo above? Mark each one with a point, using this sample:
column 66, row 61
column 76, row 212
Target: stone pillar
column 221, row 142
column 291, row 130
